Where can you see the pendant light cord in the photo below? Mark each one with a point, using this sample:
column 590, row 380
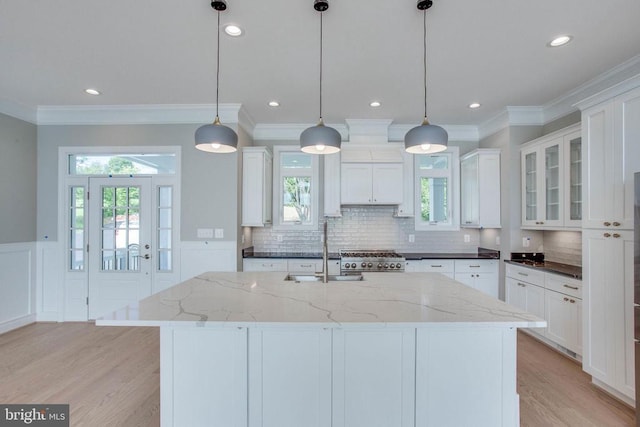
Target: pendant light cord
column 320, row 66
column 424, row 39
column 218, row 66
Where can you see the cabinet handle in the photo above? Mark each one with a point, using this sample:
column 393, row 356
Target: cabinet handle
column 607, row 224
column 523, row 274
column 616, row 224
column 572, row 301
column 306, row 265
column 571, row 287
column 436, row 266
column 522, row 284
column 566, row 299
column 616, row 235
column 474, row 266
column 607, row 235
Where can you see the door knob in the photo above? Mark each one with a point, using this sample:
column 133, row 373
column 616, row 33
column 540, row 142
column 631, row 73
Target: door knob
column 146, row 246
column 147, row 256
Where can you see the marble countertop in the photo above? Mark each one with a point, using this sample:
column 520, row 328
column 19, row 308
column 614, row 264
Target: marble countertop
column 228, row 299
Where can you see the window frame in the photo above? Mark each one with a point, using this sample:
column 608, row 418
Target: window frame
column 452, row 173
column 278, row 191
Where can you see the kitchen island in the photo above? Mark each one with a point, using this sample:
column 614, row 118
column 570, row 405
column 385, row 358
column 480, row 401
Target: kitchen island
column 395, row 349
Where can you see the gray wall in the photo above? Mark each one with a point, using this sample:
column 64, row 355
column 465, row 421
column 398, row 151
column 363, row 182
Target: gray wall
column 209, row 181
column 18, row 172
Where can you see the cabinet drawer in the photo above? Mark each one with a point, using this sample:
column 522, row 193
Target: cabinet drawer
column 437, row 265
column 564, row 285
column 264, row 264
column 525, row 274
column 476, row 265
column 304, row 266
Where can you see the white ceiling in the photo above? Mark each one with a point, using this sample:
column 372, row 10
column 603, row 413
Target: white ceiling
column 163, row 52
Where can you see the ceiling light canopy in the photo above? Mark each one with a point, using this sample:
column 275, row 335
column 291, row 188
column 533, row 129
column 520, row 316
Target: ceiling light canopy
column 215, row 137
column 560, row 41
column 426, row 138
column 474, row 105
column 320, row 139
column 375, row 104
column 93, row 92
column 274, row 104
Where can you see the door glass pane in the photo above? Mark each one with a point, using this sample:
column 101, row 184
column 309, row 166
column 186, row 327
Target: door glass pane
column 295, row 160
column 552, row 182
column 296, row 199
column 76, row 242
column 531, row 197
column 434, row 203
column 122, row 164
column 120, row 228
column 165, row 228
column 575, row 177
column 433, row 162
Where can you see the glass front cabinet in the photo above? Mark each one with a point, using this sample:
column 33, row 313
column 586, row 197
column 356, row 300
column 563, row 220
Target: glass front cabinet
column 552, row 180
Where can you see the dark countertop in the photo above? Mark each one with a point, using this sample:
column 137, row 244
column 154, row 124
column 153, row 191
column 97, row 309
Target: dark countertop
column 572, row 271
column 481, row 254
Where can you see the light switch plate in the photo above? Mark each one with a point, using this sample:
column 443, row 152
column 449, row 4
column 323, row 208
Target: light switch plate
column 467, row 238
column 219, row 233
column 412, row 238
column 205, row 233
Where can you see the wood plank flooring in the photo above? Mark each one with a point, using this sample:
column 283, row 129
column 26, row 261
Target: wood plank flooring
column 110, row 376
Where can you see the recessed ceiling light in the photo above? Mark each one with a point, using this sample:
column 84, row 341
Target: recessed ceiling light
column 274, row 104
column 94, row 92
column 560, row 41
column 474, row 105
column 233, row 30
column 375, row 104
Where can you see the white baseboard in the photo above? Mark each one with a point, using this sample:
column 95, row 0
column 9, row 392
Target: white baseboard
column 17, row 323
column 613, row 392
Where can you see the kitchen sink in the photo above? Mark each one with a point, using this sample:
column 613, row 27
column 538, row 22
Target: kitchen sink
column 318, row 278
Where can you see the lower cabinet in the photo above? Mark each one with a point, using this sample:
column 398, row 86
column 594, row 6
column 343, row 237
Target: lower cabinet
column 290, row 265
column 478, row 274
column 555, row 298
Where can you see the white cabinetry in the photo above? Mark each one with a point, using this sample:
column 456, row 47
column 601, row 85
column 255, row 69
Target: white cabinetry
column 552, row 180
column 442, row 266
column 608, row 303
column 264, row 264
column 480, row 274
column 257, row 175
column 553, row 297
column 332, row 185
column 371, row 183
column 480, row 189
column 611, row 131
column 290, row 265
column 406, row 208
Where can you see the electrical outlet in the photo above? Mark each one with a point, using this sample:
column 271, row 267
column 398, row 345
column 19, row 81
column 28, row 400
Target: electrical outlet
column 204, row 233
column 467, row 238
column 219, row 234
column 525, row 242
column 279, row 237
column 412, row 238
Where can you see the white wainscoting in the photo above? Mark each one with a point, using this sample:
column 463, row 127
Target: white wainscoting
column 17, row 285
column 49, row 279
column 199, row 257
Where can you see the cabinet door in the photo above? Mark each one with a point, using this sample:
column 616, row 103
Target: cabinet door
column 355, row 184
column 558, row 318
column 535, row 304
column 573, row 179
column 608, row 306
column 406, row 208
column 515, row 293
column 387, row 185
column 373, row 377
column 264, row 264
column 530, row 187
column 256, row 187
column 627, row 116
column 332, row 185
column 467, row 279
column 487, row 283
column 470, row 192
column 553, row 181
column 290, row 377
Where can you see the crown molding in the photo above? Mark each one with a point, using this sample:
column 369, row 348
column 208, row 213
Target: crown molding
column 135, row 114
column 613, row 91
column 512, row 116
column 19, row 111
column 289, row 131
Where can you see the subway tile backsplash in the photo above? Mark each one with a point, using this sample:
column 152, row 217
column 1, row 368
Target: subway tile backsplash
column 563, row 246
column 366, row 227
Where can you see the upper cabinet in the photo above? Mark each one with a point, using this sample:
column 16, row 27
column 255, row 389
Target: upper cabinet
column 332, row 185
column 552, row 180
column 371, row 176
column 480, row 189
column 611, row 131
column 256, row 186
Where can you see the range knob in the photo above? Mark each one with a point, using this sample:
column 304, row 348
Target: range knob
column 347, row 265
column 353, row 265
column 392, row 266
column 398, row 265
column 370, row 265
column 386, row 265
column 380, row 265
column 363, row 265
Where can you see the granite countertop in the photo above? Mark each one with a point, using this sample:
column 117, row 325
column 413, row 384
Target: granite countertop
column 243, row 299
column 249, row 253
column 480, row 254
column 572, row 271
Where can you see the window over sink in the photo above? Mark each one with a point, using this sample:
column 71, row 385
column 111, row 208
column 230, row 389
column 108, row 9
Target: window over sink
column 436, row 191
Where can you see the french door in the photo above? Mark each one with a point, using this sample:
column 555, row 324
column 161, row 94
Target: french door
column 120, row 243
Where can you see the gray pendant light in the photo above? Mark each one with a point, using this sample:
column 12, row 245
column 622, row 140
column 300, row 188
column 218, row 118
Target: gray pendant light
column 215, row 137
column 426, row 138
column 320, row 139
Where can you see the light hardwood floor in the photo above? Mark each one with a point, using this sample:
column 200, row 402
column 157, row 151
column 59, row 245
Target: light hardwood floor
column 110, row 377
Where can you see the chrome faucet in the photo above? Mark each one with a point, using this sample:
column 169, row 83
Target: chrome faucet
column 325, row 256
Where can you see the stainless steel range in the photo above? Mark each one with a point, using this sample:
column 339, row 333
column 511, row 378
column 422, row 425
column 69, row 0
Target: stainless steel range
column 363, row 260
